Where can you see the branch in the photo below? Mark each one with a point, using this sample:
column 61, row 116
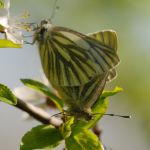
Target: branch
column 37, row 113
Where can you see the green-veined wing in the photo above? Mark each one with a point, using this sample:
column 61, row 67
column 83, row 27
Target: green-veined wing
column 70, row 58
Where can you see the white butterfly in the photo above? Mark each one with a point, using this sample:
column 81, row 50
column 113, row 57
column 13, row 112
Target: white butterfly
column 77, row 65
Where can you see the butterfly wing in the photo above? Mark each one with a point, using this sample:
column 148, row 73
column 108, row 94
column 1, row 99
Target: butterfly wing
column 82, row 98
column 70, row 58
column 109, row 39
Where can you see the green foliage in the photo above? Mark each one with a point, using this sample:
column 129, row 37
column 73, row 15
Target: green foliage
column 83, row 140
column 41, row 137
column 66, row 127
column 7, row 96
column 4, row 43
column 48, row 137
column 43, row 89
column 106, row 94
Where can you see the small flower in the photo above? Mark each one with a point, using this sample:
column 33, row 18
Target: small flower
column 12, row 26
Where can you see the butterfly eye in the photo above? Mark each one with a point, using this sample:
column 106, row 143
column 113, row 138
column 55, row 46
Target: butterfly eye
column 43, row 22
column 89, row 117
column 42, row 31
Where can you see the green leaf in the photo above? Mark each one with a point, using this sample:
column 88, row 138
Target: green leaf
column 4, row 43
column 111, row 93
column 7, row 96
column 45, row 90
column 83, row 140
column 41, row 137
column 66, row 127
column 99, row 109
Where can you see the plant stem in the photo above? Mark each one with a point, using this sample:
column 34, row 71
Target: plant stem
column 37, row 113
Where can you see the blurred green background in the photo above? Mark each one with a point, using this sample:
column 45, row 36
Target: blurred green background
column 131, row 21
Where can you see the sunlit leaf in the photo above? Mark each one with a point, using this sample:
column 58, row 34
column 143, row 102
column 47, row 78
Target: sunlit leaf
column 41, row 137
column 83, row 140
column 66, row 127
column 4, row 43
column 111, row 93
column 7, row 96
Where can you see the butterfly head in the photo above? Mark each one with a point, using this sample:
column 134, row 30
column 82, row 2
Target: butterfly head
column 45, row 22
column 80, row 114
column 42, row 32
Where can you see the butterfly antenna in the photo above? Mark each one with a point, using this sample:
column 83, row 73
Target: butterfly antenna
column 54, row 9
column 121, row 116
column 56, row 115
column 60, row 113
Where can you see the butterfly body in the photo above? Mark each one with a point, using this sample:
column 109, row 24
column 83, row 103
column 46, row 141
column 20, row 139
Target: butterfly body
column 77, row 65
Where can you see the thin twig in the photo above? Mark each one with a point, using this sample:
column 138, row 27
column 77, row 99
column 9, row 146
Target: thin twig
column 37, row 113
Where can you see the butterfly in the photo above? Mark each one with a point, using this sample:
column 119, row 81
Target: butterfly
column 77, row 65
